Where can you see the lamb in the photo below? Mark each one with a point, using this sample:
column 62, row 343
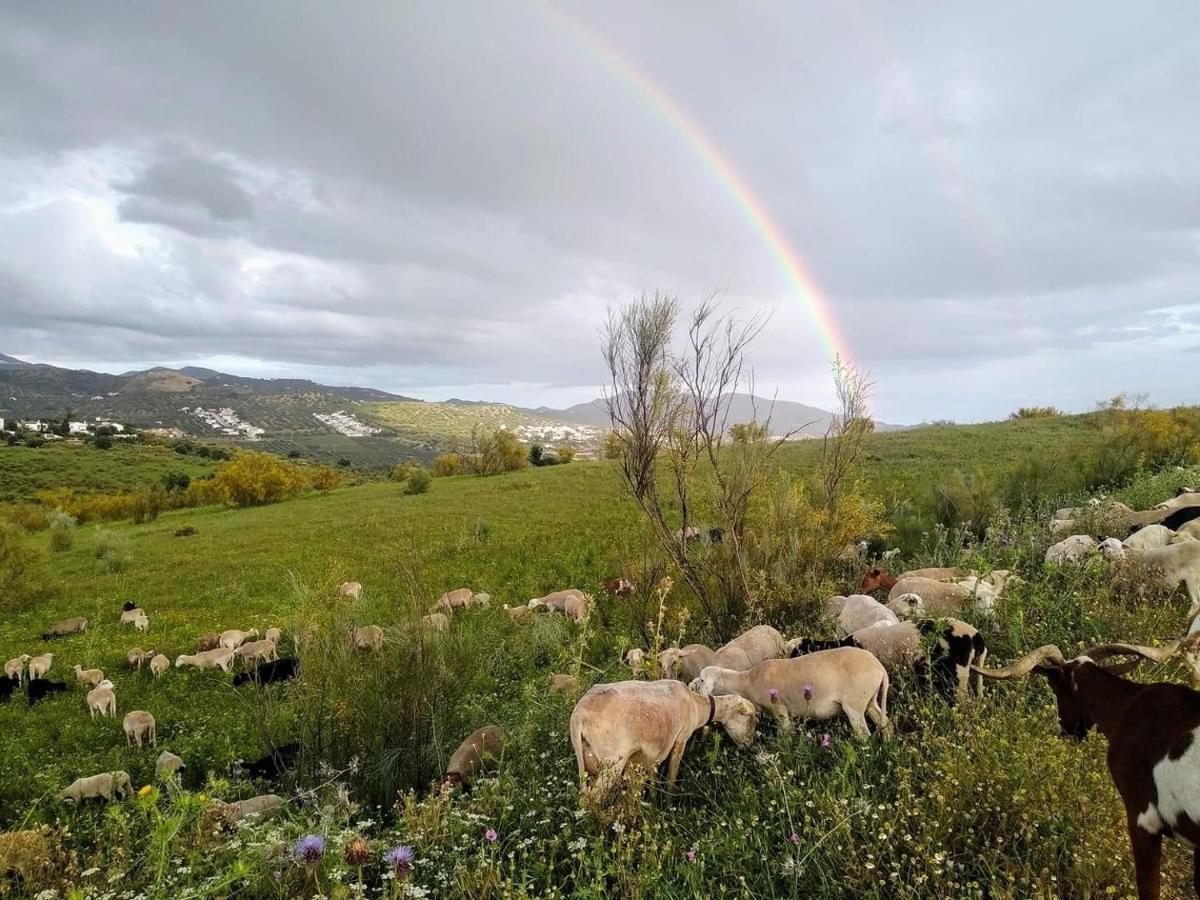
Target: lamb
column 1176, row 563
column 1074, row 549
column 159, row 665
column 1149, row 538
column 573, row 603
column 350, row 589
column 635, row 659
column 137, row 656
column 751, row 647
column 564, row 684
column 273, row 634
column 645, row 723
column 139, row 727
column 41, row 688
column 516, row 613
column 66, row 627
column 15, row 667
column 858, row 611
column 459, row 598
column 208, row 642
column 209, row 659
column 168, row 765
column 1111, row 549
column 269, row 673
column 142, row 623
column 619, row 586
column 261, row 807
column 478, row 754
column 818, row 686
column 105, row 786
column 907, row 606
column 88, row 676
column 130, row 613
column 102, row 700
column 257, row 651
column 685, row 663
column 233, row 638
column 436, row 621
column 939, row 597
column 40, row 665
column 369, row 637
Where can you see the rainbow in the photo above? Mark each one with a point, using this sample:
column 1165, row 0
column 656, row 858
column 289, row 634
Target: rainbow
column 734, row 183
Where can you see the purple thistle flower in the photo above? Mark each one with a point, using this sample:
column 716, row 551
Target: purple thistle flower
column 309, row 849
column 808, row 692
column 795, row 838
column 773, row 693
column 400, row 858
column 491, row 835
column 825, row 741
column 691, row 856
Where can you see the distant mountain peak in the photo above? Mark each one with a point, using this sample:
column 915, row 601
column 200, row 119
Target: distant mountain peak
column 12, row 361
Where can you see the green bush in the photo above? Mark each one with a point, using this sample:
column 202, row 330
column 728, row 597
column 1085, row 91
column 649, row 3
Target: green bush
column 111, row 551
column 967, row 500
column 16, row 562
column 418, row 481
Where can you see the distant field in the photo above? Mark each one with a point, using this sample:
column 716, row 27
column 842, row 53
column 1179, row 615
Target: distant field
column 25, row 471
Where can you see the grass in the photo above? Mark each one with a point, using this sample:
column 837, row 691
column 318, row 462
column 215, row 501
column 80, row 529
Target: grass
column 981, row 801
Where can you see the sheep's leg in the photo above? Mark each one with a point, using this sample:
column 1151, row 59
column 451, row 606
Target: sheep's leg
column 879, row 718
column 673, row 760
column 1192, row 583
column 858, row 723
column 782, row 716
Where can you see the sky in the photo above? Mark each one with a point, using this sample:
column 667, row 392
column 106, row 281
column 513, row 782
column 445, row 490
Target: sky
column 997, row 204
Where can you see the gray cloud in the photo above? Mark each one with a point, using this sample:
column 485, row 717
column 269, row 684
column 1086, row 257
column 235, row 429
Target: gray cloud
column 444, row 198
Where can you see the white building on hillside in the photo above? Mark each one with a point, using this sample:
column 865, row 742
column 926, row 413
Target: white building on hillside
column 77, row 427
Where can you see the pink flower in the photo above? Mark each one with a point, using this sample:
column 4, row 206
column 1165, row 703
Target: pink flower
column 691, row 855
column 825, row 741
column 490, row 835
column 773, row 693
column 795, row 838
column 808, row 692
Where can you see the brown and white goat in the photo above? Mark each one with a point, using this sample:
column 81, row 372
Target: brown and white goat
column 1153, row 733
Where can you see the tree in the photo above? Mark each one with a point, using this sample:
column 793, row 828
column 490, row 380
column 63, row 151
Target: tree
column 102, row 441
column 254, row 479
column 535, row 455
column 447, row 464
column 847, row 430
column 493, row 452
column 565, row 454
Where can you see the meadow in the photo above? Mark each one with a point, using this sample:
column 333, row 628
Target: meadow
column 983, row 800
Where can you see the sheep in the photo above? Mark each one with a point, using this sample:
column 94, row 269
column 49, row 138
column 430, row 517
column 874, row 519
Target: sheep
column 142, row 623
column 15, row 667
column 516, row 613
column 66, row 627
column 818, row 686
column 349, row 589
column 685, row 663
column 263, row 806
column 691, row 533
column 88, row 676
column 270, row 766
column 986, row 590
column 750, row 648
column 1111, row 549
column 1183, row 498
column 257, row 651
column 137, row 656
column 1176, row 563
column 233, row 638
column 130, row 613
column 269, row 673
column 858, row 611
column 619, row 586
column 436, row 621
column 645, row 723
column 573, row 603
column 877, row 579
column 105, row 786
column 274, row 634
column 41, row 688
column 40, row 665
column 459, row 598
column 938, row 597
column 208, row 642
column 369, row 637
column 1149, row 538
column 159, row 665
column 209, row 659
column 168, row 765
column 7, row 686
column 906, row 606
column 635, row 659
column 1073, row 549
column 564, row 684
column 478, row 754
column 26, row 854
column 1192, row 529
column 102, row 700
column 139, row 727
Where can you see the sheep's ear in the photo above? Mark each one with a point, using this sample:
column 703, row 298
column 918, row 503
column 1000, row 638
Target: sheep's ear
column 925, row 626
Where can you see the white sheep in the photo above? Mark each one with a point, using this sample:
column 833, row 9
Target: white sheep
column 572, row 602
column 1073, row 549
column 274, row 634
column 684, row 663
column 129, row 616
column 436, row 621
column 167, row 765
column 858, row 611
column 234, row 638
column 257, row 651
column 137, row 656
column 105, row 786
column 635, row 659
column 15, row 667
column 1149, row 538
column 1175, row 563
column 91, row 677
column 369, row 637
column 261, row 807
column 351, row 590
column 221, row 658
column 40, row 665
column 102, row 700
column 939, row 597
column 159, row 665
column 1191, row 528
column 907, row 606
column 1112, row 549
column 139, row 727
column 142, row 623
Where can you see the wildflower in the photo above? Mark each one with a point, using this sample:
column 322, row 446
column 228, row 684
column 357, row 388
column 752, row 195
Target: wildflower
column 145, row 791
column 825, row 741
column 773, row 693
column 691, row 856
column 795, row 838
column 309, row 849
column 490, row 835
column 400, row 859
column 356, row 851
column 808, row 692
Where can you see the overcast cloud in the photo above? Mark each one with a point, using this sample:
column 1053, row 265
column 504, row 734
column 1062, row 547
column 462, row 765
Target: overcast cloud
column 1001, row 201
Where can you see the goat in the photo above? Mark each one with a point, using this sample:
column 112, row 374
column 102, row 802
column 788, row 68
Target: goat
column 270, row 766
column 7, row 686
column 619, row 586
column 1153, row 733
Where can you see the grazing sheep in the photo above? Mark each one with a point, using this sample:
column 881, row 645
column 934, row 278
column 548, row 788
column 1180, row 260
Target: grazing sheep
column 139, row 727
column 1191, row 529
column 986, row 590
column 877, row 579
column 619, row 586
column 137, row 656
column 167, row 765
column 435, row 621
column 845, row 680
column 858, row 611
column 573, row 603
column 41, row 688
column 459, row 598
column 257, row 651
column 159, row 665
column 209, row 659
column 750, row 648
column 65, row 627
column 635, row 659
column 1111, row 549
column 477, row 755
column 645, row 723
column 516, row 613
column 939, row 597
column 1149, row 538
column 263, row 806
column 564, row 684
column 1183, row 498
column 481, row 599
column 369, row 637
column 907, row 606
column 7, row 686
column 130, row 613
column 102, row 700
column 959, row 647
column 15, row 667
column 1175, row 563
column 26, row 854
column 350, row 589
column 88, row 676
column 269, row 673
column 1073, row 549
column 40, row 665
column 691, row 533
column 142, row 623
column 105, row 786
column 273, row 634
column 234, row 638
column 270, row 766
column 685, row 663
column 208, row 642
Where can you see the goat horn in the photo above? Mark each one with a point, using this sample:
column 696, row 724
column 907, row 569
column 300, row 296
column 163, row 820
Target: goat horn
column 1025, row 664
column 1154, row 654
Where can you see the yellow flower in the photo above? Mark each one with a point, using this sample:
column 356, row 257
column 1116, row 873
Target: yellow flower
column 145, row 791
column 202, row 798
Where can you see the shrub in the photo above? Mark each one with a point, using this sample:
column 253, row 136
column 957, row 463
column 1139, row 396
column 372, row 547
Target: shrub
column 325, row 479
column 176, row 481
column 254, row 479
column 111, row 551
column 185, row 531
column 967, row 500
column 102, row 442
column 33, row 442
column 344, row 463
column 447, row 464
column 293, row 454
column 16, row 560
column 612, row 446
column 400, row 471
column 536, row 455
column 494, row 452
column 61, row 539
column 565, row 454
column 28, row 517
column 418, row 481
column 1036, row 412
column 1037, row 479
